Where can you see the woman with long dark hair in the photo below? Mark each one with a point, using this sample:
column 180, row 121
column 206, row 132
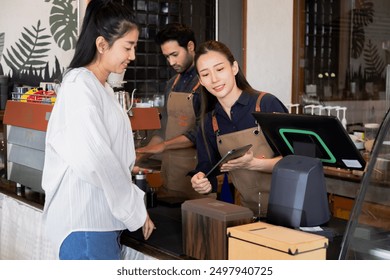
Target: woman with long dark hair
column 228, row 101
column 90, row 151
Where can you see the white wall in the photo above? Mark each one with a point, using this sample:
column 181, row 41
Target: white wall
column 269, row 46
column 15, row 18
column 82, row 7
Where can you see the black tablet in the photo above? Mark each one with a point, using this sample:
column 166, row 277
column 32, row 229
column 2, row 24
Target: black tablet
column 232, row 154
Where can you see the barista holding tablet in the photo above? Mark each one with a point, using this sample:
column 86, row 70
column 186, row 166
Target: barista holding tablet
column 231, row 125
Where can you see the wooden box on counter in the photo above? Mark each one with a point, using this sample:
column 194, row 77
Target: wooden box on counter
column 262, row 241
column 204, row 225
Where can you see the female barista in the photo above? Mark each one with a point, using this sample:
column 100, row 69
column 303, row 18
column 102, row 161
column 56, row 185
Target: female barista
column 230, row 124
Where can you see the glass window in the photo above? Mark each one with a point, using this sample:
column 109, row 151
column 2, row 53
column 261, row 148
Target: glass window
column 343, row 48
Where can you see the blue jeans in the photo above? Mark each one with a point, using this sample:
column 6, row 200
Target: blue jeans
column 91, row 245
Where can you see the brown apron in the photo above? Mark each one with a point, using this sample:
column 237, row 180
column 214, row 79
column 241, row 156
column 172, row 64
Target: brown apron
column 249, row 183
column 178, row 162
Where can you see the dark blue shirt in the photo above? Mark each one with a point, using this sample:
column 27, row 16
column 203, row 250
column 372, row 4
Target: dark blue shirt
column 186, row 83
column 241, row 119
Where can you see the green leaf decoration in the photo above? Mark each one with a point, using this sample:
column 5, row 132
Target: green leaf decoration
column 30, row 52
column 63, row 24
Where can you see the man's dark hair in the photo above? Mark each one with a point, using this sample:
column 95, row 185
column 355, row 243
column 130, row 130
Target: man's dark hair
column 175, row 32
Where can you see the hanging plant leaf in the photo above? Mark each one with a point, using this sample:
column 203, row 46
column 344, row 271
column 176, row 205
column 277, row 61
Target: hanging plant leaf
column 63, row 24
column 362, row 16
column 358, row 40
column 375, row 65
column 30, row 51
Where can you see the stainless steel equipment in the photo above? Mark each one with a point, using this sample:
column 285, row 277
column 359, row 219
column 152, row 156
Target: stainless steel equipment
column 26, row 125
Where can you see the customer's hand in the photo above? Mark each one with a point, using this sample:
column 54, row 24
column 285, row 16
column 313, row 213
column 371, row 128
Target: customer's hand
column 200, row 183
column 148, row 228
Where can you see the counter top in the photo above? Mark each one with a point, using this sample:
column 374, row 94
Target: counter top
column 32, row 198
column 166, row 240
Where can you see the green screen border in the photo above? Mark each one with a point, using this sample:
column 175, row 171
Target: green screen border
column 282, row 131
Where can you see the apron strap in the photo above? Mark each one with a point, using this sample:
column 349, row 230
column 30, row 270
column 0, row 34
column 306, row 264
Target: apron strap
column 195, row 87
column 261, row 95
column 215, row 123
column 177, row 79
column 257, row 109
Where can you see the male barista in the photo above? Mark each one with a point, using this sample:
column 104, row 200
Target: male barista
column 176, row 139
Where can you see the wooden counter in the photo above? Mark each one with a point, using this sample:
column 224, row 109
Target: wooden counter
column 342, row 194
column 166, row 241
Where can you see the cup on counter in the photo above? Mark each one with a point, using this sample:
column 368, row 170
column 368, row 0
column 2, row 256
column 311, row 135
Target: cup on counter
column 370, row 131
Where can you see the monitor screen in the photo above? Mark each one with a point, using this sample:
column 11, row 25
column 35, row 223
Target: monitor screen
column 321, row 137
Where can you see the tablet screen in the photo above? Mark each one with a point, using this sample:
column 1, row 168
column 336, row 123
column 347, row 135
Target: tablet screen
column 232, row 154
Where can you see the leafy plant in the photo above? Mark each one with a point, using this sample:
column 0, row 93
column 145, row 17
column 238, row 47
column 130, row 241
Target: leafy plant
column 362, row 16
column 375, row 65
column 63, row 23
column 31, row 51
